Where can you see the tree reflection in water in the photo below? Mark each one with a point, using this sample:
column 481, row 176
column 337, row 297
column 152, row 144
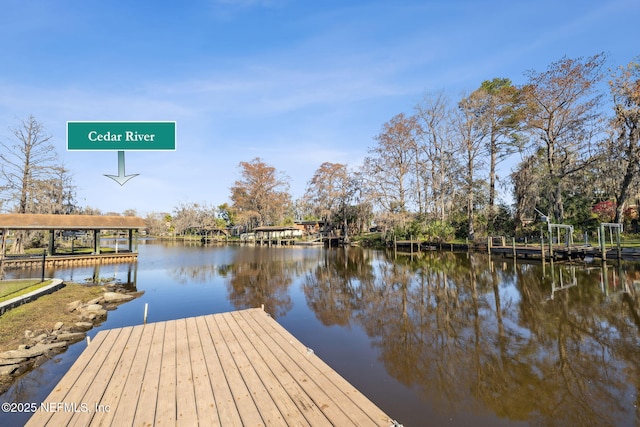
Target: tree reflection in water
column 333, row 289
column 544, row 344
column 261, row 277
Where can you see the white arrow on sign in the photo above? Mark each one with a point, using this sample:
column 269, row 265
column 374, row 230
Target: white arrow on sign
column 121, row 178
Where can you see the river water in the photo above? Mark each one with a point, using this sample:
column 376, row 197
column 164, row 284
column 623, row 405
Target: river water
column 438, row 338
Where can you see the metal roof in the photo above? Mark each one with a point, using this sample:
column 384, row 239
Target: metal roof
column 275, row 228
column 69, row 222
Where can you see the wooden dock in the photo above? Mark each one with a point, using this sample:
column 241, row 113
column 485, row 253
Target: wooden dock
column 68, row 260
column 231, row 369
column 527, row 251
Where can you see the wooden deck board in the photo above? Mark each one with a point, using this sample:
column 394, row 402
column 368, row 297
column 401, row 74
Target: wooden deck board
column 186, row 410
column 146, row 407
column 129, row 390
column 205, row 402
column 225, row 404
column 166, row 403
column 319, row 381
column 304, row 410
column 112, row 391
column 101, row 379
column 244, row 403
column 268, row 409
column 59, row 392
column 90, row 382
column 230, row 369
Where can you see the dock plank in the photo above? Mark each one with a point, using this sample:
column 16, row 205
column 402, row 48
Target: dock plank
column 90, row 386
column 295, row 404
column 244, row 403
column 314, row 384
column 166, row 406
column 265, row 404
column 225, row 404
column 205, row 401
column 232, row 369
column 359, row 409
column 102, row 377
column 186, row 411
column 92, row 354
column 146, row 408
column 114, row 389
column 129, row 392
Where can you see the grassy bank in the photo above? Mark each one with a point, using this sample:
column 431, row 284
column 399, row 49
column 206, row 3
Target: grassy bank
column 14, row 288
column 43, row 313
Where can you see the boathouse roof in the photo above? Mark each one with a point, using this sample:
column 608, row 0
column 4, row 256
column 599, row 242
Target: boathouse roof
column 275, row 228
column 69, row 222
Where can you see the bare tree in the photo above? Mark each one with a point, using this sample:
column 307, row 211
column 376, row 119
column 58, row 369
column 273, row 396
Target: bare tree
column 625, row 89
column 28, row 168
column 55, row 195
column 330, row 193
column 156, row 223
column 562, row 116
column 28, row 159
column 192, row 217
column 388, row 170
column 470, row 129
column 434, row 117
column 527, row 187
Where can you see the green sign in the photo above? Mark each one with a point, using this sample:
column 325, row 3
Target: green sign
column 120, row 136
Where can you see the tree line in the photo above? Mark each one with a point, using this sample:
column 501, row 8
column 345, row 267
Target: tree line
column 570, row 135
column 572, row 129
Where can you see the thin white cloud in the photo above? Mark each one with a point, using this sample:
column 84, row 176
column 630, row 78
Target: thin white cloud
column 250, row 3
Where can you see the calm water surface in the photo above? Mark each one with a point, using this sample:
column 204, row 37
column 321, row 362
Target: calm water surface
column 438, row 339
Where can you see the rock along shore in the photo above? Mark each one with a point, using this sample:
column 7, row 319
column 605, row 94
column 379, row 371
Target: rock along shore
column 43, row 345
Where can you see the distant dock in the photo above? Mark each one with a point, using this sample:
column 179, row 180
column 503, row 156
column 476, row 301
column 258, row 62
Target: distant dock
column 527, row 251
column 231, row 369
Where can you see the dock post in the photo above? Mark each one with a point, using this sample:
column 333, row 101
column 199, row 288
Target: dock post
column 513, row 241
column 146, row 310
column 602, row 239
column 542, row 248
column 489, row 244
column 44, row 262
column 3, row 249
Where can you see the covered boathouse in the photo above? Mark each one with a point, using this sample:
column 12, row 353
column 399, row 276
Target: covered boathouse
column 52, row 223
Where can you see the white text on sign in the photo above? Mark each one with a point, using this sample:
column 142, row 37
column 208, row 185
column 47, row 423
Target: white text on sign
column 129, row 136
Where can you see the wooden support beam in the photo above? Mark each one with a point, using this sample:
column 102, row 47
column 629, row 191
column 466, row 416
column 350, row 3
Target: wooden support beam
column 96, row 241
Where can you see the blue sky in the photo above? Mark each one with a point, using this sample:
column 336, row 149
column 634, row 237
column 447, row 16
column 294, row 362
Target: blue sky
column 294, row 82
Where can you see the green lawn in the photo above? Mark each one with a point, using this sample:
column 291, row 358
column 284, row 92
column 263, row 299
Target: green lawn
column 67, row 251
column 13, row 288
column 630, row 242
